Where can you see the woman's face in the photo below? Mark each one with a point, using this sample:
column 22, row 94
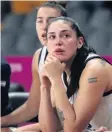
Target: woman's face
column 62, row 40
column 43, row 16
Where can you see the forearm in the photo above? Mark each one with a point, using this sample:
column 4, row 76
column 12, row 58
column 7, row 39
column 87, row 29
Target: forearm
column 47, row 117
column 21, row 114
column 63, row 105
column 35, row 127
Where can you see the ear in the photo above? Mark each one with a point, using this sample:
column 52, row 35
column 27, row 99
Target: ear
column 80, row 42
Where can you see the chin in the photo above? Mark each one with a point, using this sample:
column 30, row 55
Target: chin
column 44, row 43
column 62, row 59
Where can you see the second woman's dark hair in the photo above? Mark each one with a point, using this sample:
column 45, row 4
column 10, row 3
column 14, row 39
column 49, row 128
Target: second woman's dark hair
column 55, row 5
column 78, row 63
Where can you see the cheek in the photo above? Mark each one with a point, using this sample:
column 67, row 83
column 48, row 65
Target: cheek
column 38, row 33
column 72, row 48
column 50, row 47
column 38, row 29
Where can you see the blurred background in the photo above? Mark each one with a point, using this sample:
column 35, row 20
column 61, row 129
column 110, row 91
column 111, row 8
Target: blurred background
column 19, row 40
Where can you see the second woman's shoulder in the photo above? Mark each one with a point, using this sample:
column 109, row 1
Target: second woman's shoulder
column 35, row 59
column 37, row 53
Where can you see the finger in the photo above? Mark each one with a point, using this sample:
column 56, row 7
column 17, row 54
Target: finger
column 52, row 58
column 49, row 59
column 56, row 59
column 49, row 55
column 46, row 62
column 103, row 128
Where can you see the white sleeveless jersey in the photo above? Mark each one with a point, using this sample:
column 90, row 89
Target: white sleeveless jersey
column 42, row 57
column 103, row 115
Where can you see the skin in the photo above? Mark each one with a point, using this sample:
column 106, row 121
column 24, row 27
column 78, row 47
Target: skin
column 92, row 82
column 42, row 20
column 63, row 39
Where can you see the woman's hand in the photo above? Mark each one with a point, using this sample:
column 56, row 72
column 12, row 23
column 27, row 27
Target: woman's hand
column 102, row 129
column 44, row 80
column 53, row 67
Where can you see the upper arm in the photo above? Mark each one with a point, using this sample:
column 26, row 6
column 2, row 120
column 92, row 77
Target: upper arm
column 92, row 85
column 34, row 96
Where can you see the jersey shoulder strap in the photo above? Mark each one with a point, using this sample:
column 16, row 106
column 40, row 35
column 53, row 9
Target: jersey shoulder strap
column 94, row 56
column 91, row 56
column 42, row 55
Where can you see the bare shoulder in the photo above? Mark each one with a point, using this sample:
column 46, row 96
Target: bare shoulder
column 100, row 66
column 97, row 65
column 37, row 53
column 95, row 77
column 35, row 59
column 96, row 69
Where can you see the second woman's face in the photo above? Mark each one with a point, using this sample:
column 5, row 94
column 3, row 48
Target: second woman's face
column 62, row 40
column 43, row 16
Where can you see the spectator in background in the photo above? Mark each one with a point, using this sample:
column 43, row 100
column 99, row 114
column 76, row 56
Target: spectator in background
column 5, row 85
column 6, row 107
column 5, row 9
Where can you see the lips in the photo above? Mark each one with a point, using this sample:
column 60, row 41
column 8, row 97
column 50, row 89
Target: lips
column 44, row 36
column 59, row 50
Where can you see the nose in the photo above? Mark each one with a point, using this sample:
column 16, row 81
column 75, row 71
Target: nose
column 44, row 26
column 59, row 42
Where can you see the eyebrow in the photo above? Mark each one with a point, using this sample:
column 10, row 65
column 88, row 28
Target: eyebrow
column 61, row 31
